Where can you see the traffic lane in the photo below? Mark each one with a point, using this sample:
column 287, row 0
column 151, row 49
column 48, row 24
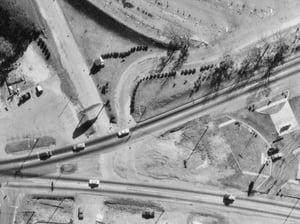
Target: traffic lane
column 246, row 206
column 60, row 150
column 176, row 118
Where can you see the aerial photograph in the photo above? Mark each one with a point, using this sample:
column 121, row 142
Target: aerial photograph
column 149, row 111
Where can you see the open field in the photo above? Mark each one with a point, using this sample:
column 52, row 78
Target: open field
column 47, row 115
column 35, row 209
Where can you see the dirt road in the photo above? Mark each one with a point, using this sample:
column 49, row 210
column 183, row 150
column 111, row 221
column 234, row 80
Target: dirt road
column 72, row 59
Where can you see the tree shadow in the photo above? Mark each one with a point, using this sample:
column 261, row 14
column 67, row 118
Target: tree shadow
column 103, row 19
column 82, row 128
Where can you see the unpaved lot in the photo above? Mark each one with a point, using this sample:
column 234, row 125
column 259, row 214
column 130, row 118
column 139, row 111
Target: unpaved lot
column 35, row 209
column 50, row 114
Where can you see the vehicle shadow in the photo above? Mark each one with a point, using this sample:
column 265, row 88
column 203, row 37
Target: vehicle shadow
column 82, row 128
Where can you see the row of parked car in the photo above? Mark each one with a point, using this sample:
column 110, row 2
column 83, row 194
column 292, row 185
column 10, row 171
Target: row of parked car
column 190, row 71
column 41, row 43
column 124, row 53
column 26, row 96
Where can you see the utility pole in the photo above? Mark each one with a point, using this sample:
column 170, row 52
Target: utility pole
column 65, row 106
column 186, row 160
column 288, row 196
column 18, row 171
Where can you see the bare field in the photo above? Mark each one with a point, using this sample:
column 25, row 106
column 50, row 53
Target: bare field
column 36, row 209
column 215, row 162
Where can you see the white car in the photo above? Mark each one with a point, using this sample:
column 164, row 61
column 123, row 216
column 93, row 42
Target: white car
column 123, row 133
column 94, row 183
column 276, row 156
column 38, row 90
column 78, row 147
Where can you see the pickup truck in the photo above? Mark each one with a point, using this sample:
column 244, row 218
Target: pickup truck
column 123, row 133
column 94, row 183
column 78, row 147
column 45, row 155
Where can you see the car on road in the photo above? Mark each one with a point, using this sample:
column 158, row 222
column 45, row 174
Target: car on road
column 24, row 98
column 38, row 90
column 228, row 199
column 80, row 213
column 276, row 157
column 45, row 155
column 272, row 151
column 94, row 183
column 123, row 133
column 78, row 147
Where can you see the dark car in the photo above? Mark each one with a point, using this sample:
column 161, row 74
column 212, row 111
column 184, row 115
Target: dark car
column 272, row 151
column 148, row 214
column 24, row 98
column 45, row 155
column 80, row 213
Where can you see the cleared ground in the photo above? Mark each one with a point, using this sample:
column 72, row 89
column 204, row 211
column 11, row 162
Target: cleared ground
column 50, row 114
column 38, row 209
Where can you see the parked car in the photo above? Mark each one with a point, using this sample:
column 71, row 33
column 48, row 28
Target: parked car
column 148, row 214
column 38, row 90
column 45, row 155
column 80, row 213
column 24, row 98
column 78, row 147
column 276, row 157
column 272, row 151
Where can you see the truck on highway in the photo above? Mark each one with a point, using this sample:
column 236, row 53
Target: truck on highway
column 123, row 133
column 78, row 147
column 228, row 199
column 44, row 155
column 94, row 183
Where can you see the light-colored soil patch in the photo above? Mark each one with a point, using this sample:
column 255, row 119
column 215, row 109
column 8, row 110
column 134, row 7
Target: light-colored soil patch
column 214, row 162
column 33, row 66
column 28, row 144
column 44, row 209
column 285, row 120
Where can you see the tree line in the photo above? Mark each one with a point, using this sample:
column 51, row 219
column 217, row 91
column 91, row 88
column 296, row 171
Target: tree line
column 16, row 33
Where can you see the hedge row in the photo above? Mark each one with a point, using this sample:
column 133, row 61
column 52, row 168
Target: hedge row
column 41, row 43
column 124, row 53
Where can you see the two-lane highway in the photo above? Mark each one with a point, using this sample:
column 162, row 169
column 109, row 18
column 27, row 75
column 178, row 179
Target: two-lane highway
column 285, row 78
column 209, row 198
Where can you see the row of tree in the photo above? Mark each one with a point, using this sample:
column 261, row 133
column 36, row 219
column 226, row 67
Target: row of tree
column 150, row 77
column 124, row 53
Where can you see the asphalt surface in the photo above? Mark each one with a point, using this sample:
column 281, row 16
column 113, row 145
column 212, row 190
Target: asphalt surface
column 208, row 198
column 171, row 119
column 71, row 57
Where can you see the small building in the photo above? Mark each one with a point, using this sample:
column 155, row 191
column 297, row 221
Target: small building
column 97, row 65
column 99, row 62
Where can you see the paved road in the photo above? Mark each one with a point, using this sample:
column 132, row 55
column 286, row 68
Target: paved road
column 286, row 79
column 8, row 204
column 71, row 58
column 209, row 198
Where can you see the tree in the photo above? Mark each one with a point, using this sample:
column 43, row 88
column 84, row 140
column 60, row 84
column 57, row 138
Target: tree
column 6, row 49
